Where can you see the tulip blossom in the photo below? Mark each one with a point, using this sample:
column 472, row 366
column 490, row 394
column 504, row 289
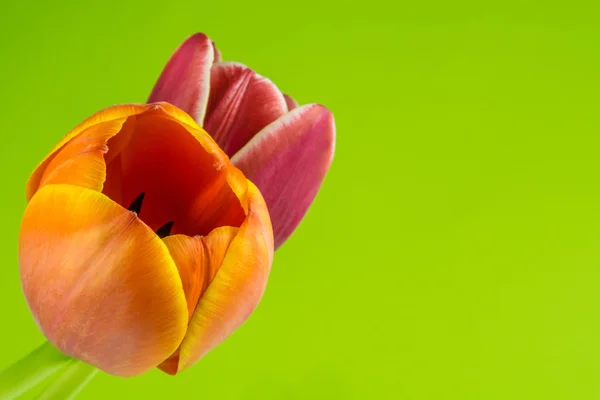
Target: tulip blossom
column 141, row 244
column 284, row 149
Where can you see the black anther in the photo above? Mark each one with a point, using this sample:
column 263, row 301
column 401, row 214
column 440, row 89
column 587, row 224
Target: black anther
column 136, row 206
column 165, row 230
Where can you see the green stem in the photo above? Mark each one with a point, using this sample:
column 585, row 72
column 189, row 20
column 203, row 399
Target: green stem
column 69, row 382
column 31, row 370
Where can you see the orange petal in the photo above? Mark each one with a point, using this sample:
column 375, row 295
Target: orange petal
column 80, row 162
column 237, row 287
column 97, row 130
column 101, row 285
column 198, row 259
column 109, row 114
column 177, row 114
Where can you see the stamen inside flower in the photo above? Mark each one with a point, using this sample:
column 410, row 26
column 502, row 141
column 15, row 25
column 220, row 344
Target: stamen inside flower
column 136, row 206
column 184, row 189
column 165, row 230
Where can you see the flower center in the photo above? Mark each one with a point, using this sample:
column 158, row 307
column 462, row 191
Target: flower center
column 136, row 207
column 156, row 168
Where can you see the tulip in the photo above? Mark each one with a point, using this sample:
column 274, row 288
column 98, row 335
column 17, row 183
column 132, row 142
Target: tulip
column 141, row 244
column 284, row 149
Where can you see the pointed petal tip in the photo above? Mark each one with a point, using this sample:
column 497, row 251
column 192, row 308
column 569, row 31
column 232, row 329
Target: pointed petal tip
column 218, row 55
column 291, row 103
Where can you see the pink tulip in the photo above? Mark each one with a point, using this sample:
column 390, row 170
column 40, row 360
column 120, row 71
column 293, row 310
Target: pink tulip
column 285, row 149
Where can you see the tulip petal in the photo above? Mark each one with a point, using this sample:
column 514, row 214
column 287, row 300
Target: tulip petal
column 236, row 288
column 115, row 113
column 101, row 285
column 218, row 55
column 241, row 103
column 291, row 103
column 198, row 259
column 80, row 162
column 288, row 161
column 185, row 80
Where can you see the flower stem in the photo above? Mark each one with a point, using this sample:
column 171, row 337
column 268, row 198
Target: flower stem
column 31, row 370
column 69, row 382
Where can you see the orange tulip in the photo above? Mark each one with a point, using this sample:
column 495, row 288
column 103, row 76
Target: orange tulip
column 142, row 245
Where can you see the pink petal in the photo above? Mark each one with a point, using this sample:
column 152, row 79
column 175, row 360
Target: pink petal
column 291, row 103
column 218, row 56
column 241, row 103
column 185, row 80
column 288, row 161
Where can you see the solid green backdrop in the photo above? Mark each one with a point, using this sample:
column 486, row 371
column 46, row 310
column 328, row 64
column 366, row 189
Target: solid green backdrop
column 454, row 249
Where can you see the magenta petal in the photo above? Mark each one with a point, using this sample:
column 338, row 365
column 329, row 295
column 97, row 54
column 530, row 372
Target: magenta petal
column 185, row 80
column 241, row 103
column 218, row 56
column 291, row 103
column 288, row 161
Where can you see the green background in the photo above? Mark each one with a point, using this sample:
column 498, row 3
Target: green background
column 454, row 249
